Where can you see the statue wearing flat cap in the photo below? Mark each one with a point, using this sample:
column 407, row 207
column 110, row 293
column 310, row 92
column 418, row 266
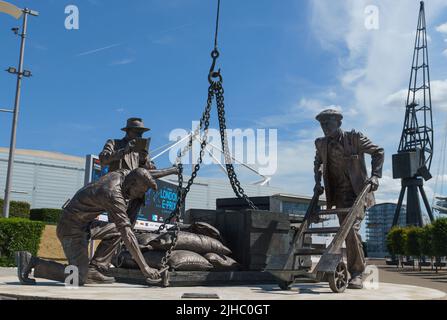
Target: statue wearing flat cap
column 340, row 161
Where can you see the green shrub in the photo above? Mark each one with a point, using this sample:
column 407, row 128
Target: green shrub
column 18, row 234
column 413, row 244
column 426, row 241
column 17, row 209
column 395, row 241
column 51, row 216
column 440, row 237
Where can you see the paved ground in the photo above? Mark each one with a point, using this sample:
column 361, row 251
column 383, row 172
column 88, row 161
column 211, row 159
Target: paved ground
column 6, row 272
column 9, row 287
column 427, row 278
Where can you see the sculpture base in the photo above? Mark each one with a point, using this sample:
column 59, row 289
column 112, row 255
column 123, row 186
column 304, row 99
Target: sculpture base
column 207, row 278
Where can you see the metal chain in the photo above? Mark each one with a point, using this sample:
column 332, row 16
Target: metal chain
column 204, row 123
column 182, row 193
column 176, row 214
column 214, row 90
column 235, row 183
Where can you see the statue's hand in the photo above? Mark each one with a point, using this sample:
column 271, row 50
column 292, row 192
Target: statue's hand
column 130, row 146
column 318, row 189
column 152, row 275
column 144, row 157
column 374, row 181
column 153, row 185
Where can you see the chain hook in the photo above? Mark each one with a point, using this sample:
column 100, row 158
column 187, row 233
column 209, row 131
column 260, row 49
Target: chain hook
column 214, row 74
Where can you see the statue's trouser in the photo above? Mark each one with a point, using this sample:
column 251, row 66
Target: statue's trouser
column 354, row 247
column 74, row 242
column 111, row 238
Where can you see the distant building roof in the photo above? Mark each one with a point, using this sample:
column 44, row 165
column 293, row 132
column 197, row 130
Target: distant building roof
column 46, row 154
column 292, row 196
column 387, row 204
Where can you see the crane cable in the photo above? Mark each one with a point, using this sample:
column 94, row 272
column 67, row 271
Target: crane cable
column 441, row 174
column 215, row 91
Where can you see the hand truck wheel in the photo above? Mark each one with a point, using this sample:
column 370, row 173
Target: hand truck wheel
column 338, row 280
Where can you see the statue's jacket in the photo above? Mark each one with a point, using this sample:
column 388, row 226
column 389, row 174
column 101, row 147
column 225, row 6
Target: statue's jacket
column 104, row 195
column 113, row 156
column 355, row 146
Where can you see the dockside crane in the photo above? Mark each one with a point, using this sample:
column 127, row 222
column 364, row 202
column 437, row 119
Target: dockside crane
column 413, row 160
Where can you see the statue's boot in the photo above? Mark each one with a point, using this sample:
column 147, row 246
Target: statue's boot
column 42, row 268
column 356, row 282
column 94, row 276
column 24, row 263
column 50, row 270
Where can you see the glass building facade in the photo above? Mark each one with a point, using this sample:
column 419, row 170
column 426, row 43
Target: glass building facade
column 379, row 220
column 441, row 205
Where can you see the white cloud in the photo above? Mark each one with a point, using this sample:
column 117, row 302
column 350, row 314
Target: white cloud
column 389, row 188
column 373, row 75
column 352, row 76
column 304, row 110
column 86, row 53
column 442, row 28
column 438, row 93
column 295, row 167
column 164, row 40
column 122, row 62
column 374, row 69
column 378, row 62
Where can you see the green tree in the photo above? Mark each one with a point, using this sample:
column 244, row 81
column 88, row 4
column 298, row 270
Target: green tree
column 426, row 242
column 396, row 242
column 439, row 239
column 412, row 243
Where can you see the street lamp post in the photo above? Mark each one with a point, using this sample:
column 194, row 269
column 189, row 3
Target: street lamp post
column 20, row 74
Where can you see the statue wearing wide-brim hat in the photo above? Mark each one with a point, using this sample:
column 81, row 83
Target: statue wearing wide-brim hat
column 122, row 153
column 136, row 124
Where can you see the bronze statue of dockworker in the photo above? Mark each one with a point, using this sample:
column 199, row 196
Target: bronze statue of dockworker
column 340, row 160
column 121, row 154
column 112, row 193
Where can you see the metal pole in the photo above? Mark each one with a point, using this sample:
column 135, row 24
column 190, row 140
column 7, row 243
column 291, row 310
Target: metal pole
column 399, row 206
column 427, row 204
column 12, row 147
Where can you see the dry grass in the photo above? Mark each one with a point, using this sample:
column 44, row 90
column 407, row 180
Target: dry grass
column 50, row 246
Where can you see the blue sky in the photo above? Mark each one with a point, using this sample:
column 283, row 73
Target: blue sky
column 282, row 62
